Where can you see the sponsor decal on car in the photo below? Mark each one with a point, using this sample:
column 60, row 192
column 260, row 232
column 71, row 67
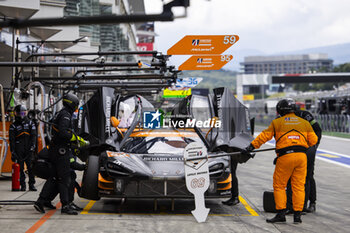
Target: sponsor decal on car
column 162, row 158
column 226, row 192
column 108, row 114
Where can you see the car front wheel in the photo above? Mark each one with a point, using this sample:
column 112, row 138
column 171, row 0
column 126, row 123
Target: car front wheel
column 89, row 187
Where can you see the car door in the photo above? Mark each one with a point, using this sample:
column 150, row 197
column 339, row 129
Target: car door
column 235, row 131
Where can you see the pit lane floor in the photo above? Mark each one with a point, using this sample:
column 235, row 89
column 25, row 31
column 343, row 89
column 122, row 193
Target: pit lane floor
column 111, row 215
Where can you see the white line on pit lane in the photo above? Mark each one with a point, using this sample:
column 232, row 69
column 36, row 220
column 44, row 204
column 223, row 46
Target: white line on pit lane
column 336, row 138
column 332, row 152
column 325, row 159
column 331, row 161
column 323, row 136
column 319, row 150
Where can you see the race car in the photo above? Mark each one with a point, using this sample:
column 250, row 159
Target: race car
column 128, row 160
column 150, row 164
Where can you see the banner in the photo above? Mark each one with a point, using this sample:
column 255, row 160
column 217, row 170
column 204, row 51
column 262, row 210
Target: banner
column 145, row 47
column 167, row 93
column 186, row 83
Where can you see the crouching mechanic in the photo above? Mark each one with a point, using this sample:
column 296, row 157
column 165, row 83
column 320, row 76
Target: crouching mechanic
column 293, row 136
column 49, row 193
column 60, row 149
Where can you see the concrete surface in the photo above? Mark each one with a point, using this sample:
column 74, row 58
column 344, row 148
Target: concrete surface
column 111, row 215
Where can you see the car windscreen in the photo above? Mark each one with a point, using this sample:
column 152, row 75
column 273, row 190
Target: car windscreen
column 159, row 145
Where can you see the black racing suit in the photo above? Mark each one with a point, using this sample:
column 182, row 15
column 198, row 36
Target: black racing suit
column 60, row 151
column 74, row 184
column 310, row 184
column 234, row 182
column 22, row 136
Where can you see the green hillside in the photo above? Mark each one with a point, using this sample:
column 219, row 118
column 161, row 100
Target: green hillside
column 213, row 78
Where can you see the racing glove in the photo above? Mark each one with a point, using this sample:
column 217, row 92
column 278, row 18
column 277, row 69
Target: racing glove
column 79, row 140
column 248, row 151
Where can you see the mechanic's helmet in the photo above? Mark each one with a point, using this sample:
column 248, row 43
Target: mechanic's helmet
column 20, row 111
column 285, row 106
column 70, row 101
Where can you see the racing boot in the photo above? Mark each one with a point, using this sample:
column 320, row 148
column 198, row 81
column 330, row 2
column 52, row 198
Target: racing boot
column 280, row 217
column 68, row 210
column 49, row 205
column 312, row 208
column 32, row 188
column 231, row 201
column 297, row 217
column 73, row 206
column 39, row 206
column 289, row 211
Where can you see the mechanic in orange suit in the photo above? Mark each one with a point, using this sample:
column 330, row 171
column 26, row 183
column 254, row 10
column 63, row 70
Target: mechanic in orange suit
column 293, row 136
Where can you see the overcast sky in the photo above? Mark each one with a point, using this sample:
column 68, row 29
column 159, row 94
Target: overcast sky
column 270, row 26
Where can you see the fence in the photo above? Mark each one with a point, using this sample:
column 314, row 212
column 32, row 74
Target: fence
column 330, row 123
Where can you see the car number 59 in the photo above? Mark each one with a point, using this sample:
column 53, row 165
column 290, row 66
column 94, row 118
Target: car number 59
column 229, row 39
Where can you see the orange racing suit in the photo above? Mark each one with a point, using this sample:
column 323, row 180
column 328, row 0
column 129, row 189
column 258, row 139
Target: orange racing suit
column 293, row 136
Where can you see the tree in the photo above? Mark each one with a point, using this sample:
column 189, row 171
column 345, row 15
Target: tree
column 342, row 68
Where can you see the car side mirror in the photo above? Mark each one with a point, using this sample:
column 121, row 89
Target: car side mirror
column 114, row 121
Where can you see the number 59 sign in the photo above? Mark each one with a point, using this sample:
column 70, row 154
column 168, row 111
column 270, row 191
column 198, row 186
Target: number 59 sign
column 203, row 45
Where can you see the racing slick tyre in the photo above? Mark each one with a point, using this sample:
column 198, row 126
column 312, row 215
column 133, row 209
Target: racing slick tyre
column 269, row 202
column 89, row 186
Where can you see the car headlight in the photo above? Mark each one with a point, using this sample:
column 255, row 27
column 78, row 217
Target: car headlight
column 113, row 166
column 116, row 167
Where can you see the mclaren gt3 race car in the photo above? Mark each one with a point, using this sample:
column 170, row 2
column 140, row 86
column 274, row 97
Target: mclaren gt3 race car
column 129, row 160
column 150, row 164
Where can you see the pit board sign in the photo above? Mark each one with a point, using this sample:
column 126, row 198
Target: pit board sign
column 206, row 62
column 201, row 44
column 197, row 177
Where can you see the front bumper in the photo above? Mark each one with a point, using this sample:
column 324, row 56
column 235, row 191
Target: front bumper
column 160, row 188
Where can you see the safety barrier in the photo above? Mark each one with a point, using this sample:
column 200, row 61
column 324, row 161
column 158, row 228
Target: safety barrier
column 263, row 119
column 329, row 123
column 334, row 123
